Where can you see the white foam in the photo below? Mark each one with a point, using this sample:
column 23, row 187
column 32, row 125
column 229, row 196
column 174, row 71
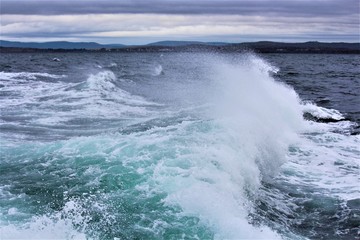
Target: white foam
column 261, row 65
column 112, row 65
column 254, row 119
column 263, row 115
column 219, row 210
column 328, row 163
column 321, row 112
column 27, row 75
column 96, row 97
column 73, row 221
column 57, row 226
column 157, row 70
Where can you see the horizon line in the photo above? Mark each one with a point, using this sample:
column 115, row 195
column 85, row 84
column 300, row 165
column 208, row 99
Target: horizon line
column 185, row 41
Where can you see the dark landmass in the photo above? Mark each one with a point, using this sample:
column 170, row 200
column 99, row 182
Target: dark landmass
column 174, row 43
column 185, row 43
column 181, row 46
column 58, row 45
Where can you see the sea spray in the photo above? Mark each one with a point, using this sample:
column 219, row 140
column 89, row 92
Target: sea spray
column 192, row 153
column 253, row 120
column 263, row 114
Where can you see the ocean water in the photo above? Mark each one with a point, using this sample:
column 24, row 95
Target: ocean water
column 179, row 146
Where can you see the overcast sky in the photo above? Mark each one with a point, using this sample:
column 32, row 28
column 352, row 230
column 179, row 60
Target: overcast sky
column 144, row 21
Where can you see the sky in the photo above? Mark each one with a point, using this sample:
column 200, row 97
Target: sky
column 136, row 22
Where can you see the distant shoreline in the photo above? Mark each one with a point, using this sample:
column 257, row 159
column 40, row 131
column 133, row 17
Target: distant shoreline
column 181, row 46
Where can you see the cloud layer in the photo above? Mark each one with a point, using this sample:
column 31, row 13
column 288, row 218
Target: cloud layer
column 237, row 7
column 226, row 20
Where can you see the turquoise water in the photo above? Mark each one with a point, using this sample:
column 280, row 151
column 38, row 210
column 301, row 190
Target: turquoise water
column 170, row 146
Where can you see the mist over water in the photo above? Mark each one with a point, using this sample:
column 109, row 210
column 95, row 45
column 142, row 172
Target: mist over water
column 173, row 146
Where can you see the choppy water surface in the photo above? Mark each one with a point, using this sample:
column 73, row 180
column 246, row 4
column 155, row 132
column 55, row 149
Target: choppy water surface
column 179, row 146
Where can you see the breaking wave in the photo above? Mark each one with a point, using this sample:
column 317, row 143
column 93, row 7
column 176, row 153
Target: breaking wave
column 198, row 172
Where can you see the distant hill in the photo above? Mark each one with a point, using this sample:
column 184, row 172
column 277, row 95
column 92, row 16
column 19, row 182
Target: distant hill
column 258, row 47
column 306, row 45
column 185, row 43
column 58, row 45
column 173, row 43
column 265, row 46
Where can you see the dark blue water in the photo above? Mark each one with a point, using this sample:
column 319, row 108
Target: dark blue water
column 179, row 146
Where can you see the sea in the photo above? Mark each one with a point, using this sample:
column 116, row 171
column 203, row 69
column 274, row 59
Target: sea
column 179, row 145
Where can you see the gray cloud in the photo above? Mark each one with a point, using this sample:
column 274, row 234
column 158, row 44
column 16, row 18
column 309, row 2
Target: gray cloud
column 211, row 20
column 305, row 8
